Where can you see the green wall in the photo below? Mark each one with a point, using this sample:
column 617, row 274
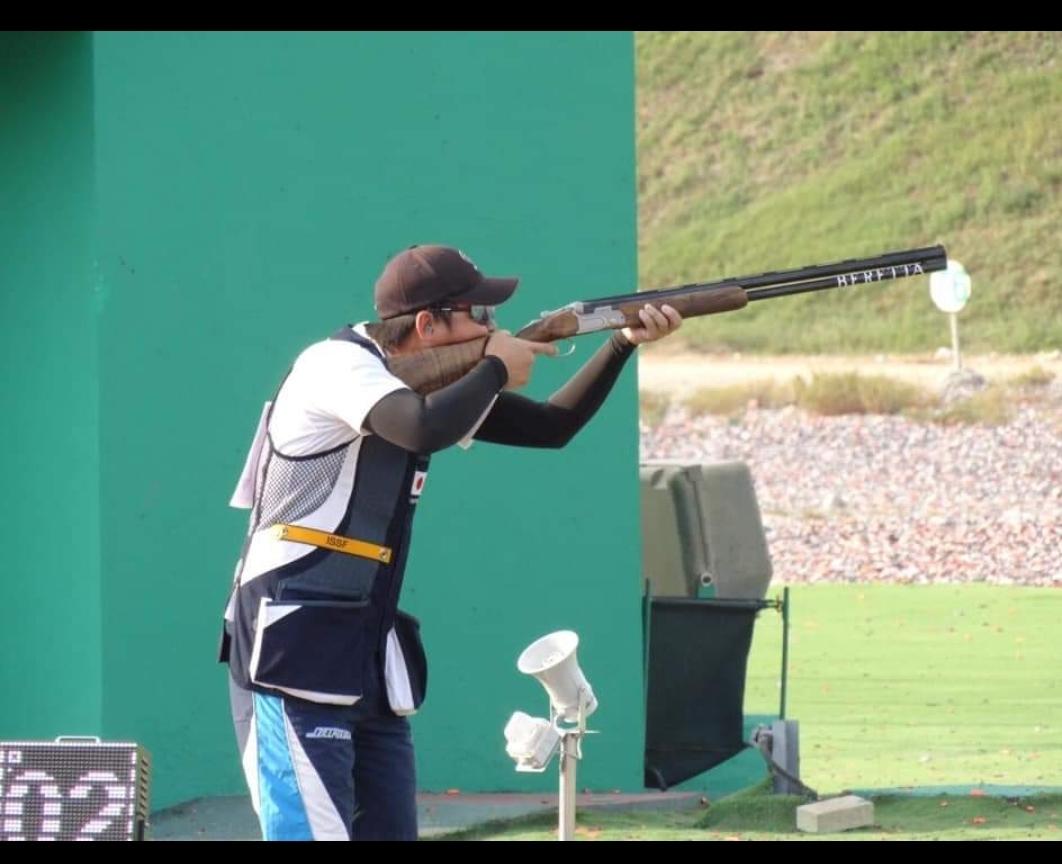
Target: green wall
column 49, row 510
column 250, row 187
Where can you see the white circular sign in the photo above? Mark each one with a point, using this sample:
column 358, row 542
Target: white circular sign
column 950, row 288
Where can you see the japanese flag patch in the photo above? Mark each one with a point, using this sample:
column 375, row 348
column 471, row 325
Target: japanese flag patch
column 418, row 486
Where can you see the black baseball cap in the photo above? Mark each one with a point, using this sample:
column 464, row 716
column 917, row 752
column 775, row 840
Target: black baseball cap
column 422, row 276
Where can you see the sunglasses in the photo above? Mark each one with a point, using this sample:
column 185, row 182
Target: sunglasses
column 480, row 314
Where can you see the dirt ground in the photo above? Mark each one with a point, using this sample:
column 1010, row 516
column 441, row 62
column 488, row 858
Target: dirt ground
column 678, row 373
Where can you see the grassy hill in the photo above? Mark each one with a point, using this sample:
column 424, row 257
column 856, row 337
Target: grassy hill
column 767, row 151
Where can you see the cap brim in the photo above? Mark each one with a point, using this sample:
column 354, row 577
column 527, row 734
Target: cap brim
column 489, row 292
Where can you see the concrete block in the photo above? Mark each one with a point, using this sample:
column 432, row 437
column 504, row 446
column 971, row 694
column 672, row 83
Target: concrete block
column 835, row 814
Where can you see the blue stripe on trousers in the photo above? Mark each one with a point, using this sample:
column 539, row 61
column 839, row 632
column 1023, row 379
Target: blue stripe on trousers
column 283, row 814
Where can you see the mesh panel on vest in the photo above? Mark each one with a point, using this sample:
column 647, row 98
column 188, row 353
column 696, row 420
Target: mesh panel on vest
column 293, row 488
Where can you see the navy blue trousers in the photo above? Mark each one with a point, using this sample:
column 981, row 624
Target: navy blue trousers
column 327, row 772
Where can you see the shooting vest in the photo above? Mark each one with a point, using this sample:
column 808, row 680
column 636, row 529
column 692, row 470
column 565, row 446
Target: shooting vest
column 313, row 608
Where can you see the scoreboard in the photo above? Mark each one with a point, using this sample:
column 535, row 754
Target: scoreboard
column 73, row 789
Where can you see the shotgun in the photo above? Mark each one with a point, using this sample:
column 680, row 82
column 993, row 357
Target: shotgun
column 428, row 370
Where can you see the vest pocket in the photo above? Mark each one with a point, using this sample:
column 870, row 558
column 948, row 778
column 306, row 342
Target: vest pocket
column 311, row 649
column 405, row 665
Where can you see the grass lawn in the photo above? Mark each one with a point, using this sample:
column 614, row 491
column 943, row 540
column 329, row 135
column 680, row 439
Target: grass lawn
column 893, row 686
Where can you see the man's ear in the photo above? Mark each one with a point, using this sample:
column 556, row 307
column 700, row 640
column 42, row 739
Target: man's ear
column 424, row 324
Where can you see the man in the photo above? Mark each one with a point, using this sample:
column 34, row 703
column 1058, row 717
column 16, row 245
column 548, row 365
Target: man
column 324, row 667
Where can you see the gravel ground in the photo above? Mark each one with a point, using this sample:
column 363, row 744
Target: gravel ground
column 883, row 498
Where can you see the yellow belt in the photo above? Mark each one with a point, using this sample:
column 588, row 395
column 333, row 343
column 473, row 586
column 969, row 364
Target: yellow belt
column 335, row 542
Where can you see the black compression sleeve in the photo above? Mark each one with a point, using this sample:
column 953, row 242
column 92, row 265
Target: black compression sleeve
column 424, row 424
column 520, row 421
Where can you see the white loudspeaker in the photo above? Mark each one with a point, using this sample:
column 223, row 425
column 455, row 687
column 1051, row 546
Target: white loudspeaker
column 551, row 660
column 531, row 741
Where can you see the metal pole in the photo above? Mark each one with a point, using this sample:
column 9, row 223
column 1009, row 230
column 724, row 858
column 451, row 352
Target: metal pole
column 785, row 649
column 566, row 826
column 570, row 753
column 955, row 340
